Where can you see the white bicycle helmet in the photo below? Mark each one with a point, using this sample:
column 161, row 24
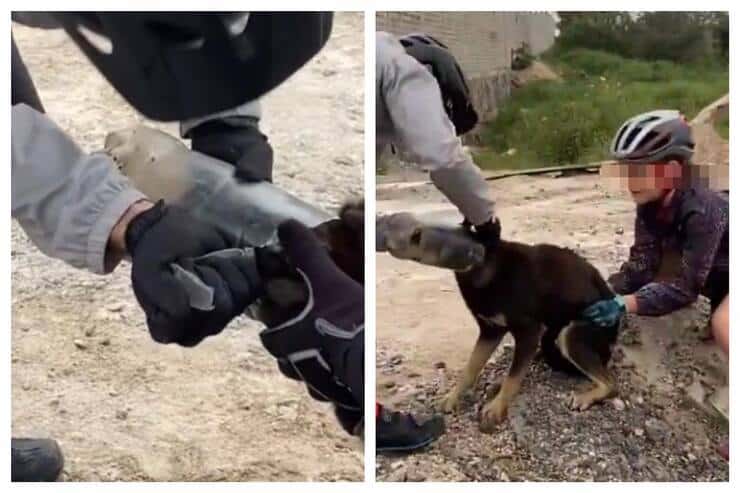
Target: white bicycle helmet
column 654, row 136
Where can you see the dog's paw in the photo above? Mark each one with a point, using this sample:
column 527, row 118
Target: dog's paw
column 493, row 414
column 450, row 403
column 582, row 401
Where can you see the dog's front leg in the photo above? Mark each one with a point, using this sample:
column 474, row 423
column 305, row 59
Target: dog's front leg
column 488, row 340
column 526, row 339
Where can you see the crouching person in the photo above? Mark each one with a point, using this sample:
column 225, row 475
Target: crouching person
column 655, row 149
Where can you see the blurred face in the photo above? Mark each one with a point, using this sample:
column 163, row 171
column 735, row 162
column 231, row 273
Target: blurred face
column 649, row 182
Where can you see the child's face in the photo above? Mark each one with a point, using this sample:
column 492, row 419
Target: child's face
column 649, row 182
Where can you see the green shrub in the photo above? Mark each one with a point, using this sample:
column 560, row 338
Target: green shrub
column 565, row 122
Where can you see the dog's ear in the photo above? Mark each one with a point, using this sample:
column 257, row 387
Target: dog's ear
column 344, row 239
column 352, row 215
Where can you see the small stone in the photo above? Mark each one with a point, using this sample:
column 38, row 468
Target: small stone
column 505, row 477
column 618, row 404
column 25, row 328
column 121, row 414
column 440, row 365
column 620, row 231
column 26, row 386
column 113, row 393
column 414, row 374
column 396, row 360
column 396, row 465
column 115, row 307
column 639, row 400
column 389, row 384
column 80, row 344
column 639, row 432
column 90, row 331
column 105, row 342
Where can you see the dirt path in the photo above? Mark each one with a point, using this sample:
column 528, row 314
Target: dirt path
column 84, row 369
column 658, row 429
column 711, row 148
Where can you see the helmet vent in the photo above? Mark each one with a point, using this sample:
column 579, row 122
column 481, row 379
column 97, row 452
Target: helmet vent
column 631, row 136
column 620, row 134
column 649, row 120
column 661, row 143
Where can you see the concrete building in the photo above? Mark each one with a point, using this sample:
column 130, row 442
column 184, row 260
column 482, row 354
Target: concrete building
column 483, row 43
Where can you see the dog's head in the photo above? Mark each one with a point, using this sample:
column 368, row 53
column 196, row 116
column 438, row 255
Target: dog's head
column 446, row 247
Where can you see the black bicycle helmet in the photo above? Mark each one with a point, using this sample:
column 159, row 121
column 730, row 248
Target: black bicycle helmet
column 455, row 93
column 654, row 136
column 177, row 65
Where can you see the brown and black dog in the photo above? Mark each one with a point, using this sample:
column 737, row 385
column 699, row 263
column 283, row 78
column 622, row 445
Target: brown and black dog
column 537, row 293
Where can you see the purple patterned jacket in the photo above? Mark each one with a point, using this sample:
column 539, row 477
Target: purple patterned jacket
column 696, row 224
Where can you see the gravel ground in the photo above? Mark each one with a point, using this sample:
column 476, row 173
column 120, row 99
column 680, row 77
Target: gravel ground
column 659, row 428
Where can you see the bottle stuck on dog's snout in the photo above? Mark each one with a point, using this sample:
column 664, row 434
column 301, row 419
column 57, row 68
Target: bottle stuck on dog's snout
column 405, row 237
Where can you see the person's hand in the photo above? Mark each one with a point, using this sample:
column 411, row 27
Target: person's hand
column 237, row 141
column 313, row 345
column 606, row 313
column 162, row 235
column 488, row 233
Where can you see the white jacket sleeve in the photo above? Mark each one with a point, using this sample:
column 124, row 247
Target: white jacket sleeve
column 410, row 109
column 67, row 201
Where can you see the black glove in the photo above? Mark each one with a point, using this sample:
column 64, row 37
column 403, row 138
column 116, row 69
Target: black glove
column 488, row 233
column 163, row 235
column 238, row 141
column 319, row 344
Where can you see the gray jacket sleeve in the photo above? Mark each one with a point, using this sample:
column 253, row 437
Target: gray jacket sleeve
column 67, row 201
column 411, row 100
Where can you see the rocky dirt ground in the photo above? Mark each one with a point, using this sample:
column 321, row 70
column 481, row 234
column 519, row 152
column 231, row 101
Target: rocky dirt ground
column 84, row 369
column 660, row 428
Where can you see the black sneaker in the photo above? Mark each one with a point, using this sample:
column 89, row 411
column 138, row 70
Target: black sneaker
column 35, row 460
column 399, row 432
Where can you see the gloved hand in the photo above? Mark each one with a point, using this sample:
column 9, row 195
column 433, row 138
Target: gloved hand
column 165, row 234
column 318, row 344
column 238, row 141
column 489, row 233
column 606, row 313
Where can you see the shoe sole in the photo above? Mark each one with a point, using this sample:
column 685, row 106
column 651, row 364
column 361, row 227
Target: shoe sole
column 409, row 448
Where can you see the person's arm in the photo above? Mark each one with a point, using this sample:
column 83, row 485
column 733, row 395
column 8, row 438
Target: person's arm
column 703, row 236
column 420, row 123
column 642, row 264
column 67, row 201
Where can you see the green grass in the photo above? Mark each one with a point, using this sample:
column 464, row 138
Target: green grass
column 572, row 121
column 722, row 125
